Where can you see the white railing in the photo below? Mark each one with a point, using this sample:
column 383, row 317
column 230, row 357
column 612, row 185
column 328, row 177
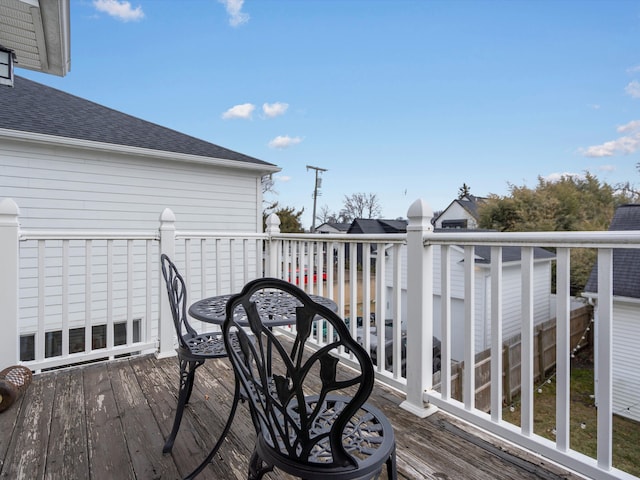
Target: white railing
column 104, row 285
column 422, row 242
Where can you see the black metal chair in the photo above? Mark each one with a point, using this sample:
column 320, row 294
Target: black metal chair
column 310, row 420
column 193, row 349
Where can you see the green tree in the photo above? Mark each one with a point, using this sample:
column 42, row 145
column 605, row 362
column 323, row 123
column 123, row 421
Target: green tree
column 463, row 191
column 289, row 218
column 569, row 204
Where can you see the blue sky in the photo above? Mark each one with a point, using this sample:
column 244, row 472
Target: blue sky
column 405, row 99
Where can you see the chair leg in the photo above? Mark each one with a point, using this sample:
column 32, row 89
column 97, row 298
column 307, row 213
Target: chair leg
column 187, row 375
column 225, row 431
column 257, row 467
column 392, row 470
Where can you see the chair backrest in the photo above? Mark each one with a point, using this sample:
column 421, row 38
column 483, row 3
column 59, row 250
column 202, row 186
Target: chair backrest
column 278, row 377
column 177, row 291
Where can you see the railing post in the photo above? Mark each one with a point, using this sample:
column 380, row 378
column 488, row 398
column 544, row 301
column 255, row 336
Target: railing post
column 419, row 310
column 273, row 227
column 166, row 329
column 9, row 281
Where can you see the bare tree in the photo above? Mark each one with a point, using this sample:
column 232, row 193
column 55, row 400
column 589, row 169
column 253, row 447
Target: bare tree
column 325, row 215
column 360, row 205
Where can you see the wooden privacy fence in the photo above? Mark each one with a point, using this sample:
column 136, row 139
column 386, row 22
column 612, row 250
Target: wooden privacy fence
column 544, row 359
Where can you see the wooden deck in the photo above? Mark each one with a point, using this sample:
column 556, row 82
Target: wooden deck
column 109, row 421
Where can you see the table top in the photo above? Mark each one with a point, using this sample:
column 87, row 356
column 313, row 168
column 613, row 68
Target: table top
column 278, row 307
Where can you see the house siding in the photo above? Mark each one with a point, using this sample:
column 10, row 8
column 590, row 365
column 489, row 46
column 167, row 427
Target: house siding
column 511, row 298
column 82, row 189
column 57, row 187
column 626, row 363
column 456, row 212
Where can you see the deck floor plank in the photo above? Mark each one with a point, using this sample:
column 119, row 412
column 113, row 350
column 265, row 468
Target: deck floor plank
column 68, row 457
column 25, row 456
column 141, row 431
column 106, row 444
column 127, row 409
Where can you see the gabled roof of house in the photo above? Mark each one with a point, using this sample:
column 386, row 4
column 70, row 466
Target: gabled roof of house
column 468, row 202
column 377, row 225
column 32, row 107
column 626, row 261
column 339, row 226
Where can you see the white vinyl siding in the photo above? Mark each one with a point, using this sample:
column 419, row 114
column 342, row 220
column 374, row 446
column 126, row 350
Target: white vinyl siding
column 626, row 362
column 511, row 298
column 73, row 188
column 57, row 187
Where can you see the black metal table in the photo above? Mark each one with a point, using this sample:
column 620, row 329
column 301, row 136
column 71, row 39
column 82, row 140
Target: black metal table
column 277, row 308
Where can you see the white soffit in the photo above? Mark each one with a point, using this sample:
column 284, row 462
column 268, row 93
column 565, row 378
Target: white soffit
column 38, row 32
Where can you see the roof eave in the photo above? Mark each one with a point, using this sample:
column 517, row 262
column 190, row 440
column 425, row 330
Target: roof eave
column 43, row 139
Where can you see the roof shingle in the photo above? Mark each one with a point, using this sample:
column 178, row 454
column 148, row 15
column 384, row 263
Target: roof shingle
column 36, row 108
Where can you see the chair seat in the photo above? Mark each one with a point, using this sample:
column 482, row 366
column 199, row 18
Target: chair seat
column 368, row 437
column 208, row 345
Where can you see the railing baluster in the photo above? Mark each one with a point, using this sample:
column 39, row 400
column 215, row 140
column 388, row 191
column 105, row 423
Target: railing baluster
column 65, row 298
column 218, row 266
column 496, row 334
column 526, row 347
column 469, row 375
column 604, row 362
column 381, row 302
column 397, row 313
column 445, row 322
column 88, row 297
column 366, row 296
column 145, row 334
column 563, row 349
column 130, row 287
column 40, row 337
column 110, row 295
column 353, row 287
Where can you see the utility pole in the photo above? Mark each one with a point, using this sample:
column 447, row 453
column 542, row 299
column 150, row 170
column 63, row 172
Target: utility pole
column 318, row 184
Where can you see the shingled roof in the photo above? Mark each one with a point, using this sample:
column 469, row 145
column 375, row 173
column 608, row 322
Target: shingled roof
column 626, row 261
column 32, row 107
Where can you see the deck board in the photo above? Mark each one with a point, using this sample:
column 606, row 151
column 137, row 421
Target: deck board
column 109, row 420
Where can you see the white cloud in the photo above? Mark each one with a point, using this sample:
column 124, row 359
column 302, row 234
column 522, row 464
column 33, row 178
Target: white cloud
column 632, row 126
column 633, row 89
column 625, row 145
column 283, row 178
column 121, row 10
column 274, row 109
column 634, row 69
column 284, row 141
column 594, row 106
column 234, row 8
column 607, row 168
column 556, row 177
column 244, row 111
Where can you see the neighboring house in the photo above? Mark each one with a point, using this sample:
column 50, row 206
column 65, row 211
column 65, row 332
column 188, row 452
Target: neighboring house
column 70, row 163
column 373, row 226
column 544, row 303
column 461, row 213
column 333, row 227
column 626, row 316
column 511, row 293
column 377, row 225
